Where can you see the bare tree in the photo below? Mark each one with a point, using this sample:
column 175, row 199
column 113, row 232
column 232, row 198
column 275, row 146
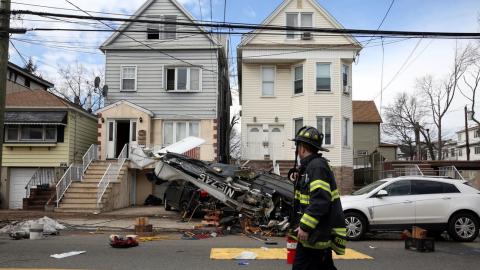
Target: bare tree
column 439, row 96
column 31, row 67
column 472, row 83
column 235, row 138
column 76, row 84
column 402, row 117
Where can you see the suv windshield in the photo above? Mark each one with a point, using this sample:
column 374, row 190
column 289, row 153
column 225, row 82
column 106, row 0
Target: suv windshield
column 367, row 189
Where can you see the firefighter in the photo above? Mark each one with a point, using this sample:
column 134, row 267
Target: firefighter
column 318, row 215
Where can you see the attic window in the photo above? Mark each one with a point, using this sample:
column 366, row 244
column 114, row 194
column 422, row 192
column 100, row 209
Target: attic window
column 170, row 29
column 298, row 20
column 153, row 29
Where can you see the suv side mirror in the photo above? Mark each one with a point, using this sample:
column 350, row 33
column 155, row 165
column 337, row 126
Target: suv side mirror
column 382, row 193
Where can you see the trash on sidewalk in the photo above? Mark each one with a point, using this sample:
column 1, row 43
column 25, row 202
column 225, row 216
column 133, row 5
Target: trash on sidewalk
column 143, row 228
column 128, row 241
column 66, row 254
column 19, row 230
column 246, row 255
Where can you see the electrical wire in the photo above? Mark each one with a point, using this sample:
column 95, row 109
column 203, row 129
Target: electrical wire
column 383, row 20
column 457, row 35
column 18, row 52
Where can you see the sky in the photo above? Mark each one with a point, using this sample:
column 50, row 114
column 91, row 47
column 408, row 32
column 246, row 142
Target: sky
column 432, row 57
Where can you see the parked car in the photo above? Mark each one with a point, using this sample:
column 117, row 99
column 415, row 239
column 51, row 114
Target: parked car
column 435, row 204
column 184, row 196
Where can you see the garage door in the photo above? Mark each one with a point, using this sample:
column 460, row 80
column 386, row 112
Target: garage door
column 19, row 178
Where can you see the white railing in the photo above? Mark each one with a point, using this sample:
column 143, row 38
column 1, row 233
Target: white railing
column 111, row 174
column 413, row 170
column 450, row 171
column 90, row 155
column 73, row 173
column 42, row 176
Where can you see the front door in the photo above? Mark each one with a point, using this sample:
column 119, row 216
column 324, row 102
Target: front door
column 111, row 138
column 275, row 142
column 255, row 148
column 123, row 135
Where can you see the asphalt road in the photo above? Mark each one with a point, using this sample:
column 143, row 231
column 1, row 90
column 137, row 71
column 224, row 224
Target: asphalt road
column 194, row 254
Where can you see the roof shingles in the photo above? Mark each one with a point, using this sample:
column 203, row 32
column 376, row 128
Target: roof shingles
column 365, row 111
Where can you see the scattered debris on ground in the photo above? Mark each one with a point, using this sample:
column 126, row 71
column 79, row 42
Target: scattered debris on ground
column 128, row 241
column 143, row 228
column 21, row 230
column 67, row 254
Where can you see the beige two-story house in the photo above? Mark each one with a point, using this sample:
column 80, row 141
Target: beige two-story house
column 289, row 79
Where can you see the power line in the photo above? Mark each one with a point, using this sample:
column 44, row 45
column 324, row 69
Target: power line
column 18, row 52
column 400, row 69
column 383, row 20
column 146, row 45
column 457, row 35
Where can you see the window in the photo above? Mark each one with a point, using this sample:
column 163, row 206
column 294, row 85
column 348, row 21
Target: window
column 298, row 124
column 460, row 152
column 298, row 80
column 129, row 78
column 292, row 21
column 346, row 123
column 421, row 187
column 476, row 133
column 153, row 29
column 323, row 77
column 345, row 72
column 134, row 131
column 183, row 79
column 110, row 131
column 170, row 29
column 298, row 19
column 399, row 188
column 268, row 81
column 362, row 153
column 477, row 150
column 174, row 131
column 27, row 82
column 452, row 152
column 11, row 133
column 324, row 125
column 460, row 136
column 35, row 133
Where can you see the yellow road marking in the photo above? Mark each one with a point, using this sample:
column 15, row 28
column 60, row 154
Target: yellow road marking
column 276, row 254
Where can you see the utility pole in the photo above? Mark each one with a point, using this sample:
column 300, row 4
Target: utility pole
column 4, row 39
column 467, row 144
column 417, row 141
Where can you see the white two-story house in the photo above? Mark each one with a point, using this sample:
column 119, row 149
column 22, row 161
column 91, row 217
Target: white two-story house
column 167, row 81
column 290, row 79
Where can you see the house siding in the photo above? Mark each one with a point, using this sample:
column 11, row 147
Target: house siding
column 151, row 93
column 161, row 8
column 366, row 137
column 82, row 133
column 308, row 105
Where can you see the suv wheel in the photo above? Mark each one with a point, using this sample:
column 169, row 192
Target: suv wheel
column 165, row 205
column 356, row 226
column 463, row 227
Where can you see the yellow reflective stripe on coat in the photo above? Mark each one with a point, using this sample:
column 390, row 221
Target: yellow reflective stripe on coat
column 340, row 231
column 303, row 198
column 320, row 184
column 309, row 221
column 335, row 195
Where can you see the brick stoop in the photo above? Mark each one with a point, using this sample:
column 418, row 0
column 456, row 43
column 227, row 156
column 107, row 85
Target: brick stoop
column 81, row 197
column 38, row 198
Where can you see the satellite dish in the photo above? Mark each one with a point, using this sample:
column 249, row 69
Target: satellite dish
column 97, row 82
column 105, row 90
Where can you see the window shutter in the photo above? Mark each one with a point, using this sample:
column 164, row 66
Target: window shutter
column 60, row 133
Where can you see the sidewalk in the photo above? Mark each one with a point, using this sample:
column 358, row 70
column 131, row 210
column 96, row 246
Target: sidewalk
column 121, row 219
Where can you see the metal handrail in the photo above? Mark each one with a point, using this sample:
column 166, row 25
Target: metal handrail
column 74, row 172
column 90, row 155
column 111, row 174
column 413, row 170
column 444, row 171
column 42, row 176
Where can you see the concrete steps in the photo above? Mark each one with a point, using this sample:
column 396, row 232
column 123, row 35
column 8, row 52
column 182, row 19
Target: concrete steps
column 81, row 197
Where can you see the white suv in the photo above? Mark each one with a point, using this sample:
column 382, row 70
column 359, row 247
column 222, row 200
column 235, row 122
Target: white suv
column 435, row 204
